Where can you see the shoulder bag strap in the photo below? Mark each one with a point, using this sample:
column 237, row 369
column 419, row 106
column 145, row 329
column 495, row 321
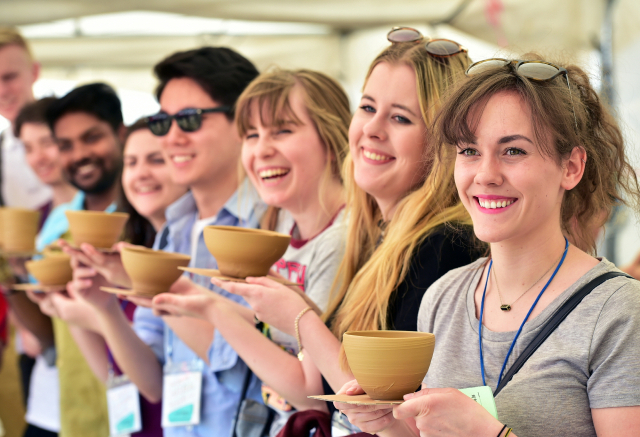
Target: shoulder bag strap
column 245, row 389
column 553, row 323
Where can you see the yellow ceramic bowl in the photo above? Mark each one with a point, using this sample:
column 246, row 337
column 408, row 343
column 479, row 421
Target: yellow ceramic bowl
column 100, row 229
column 242, row 252
column 152, row 271
column 389, row 364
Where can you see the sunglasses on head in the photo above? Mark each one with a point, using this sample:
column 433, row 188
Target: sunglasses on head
column 534, row 70
column 189, row 119
column 439, row 48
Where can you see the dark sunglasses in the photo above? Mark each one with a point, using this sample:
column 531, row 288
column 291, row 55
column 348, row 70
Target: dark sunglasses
column 439, row 48
column 189, row 119
column 534, row 70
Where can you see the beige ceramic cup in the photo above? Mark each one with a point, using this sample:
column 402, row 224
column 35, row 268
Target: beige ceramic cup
column 242, row 252
column 51, row 270
column 389, row 364
column 19, row 229
column 98, row 228
column 152, row 271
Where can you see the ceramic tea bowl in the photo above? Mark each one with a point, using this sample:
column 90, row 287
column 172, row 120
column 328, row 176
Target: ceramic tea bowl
column 389, row 364
column 244, row 252
column 98, row 228
column 51, row 270
column 19, row 229
column 152, row 271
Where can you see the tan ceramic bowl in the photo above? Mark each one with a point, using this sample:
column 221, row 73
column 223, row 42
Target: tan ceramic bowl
column 19, row 229
column 152, row 271
column 51, row 270
column 389, row 364
column 242, row 252
column 100, row 229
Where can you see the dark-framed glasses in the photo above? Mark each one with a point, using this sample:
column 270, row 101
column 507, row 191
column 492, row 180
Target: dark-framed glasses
column 534, row 70
column 439, row 48
column 189, row 119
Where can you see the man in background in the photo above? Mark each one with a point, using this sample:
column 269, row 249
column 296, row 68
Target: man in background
column 20, row 187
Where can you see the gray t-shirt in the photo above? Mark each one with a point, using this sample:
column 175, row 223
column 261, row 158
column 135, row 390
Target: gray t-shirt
column 592, row 360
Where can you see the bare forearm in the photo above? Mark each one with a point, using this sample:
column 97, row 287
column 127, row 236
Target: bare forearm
column 324, row 349
column 278, row 369
column 29, row 315
column 93, row 348
column 134, row 357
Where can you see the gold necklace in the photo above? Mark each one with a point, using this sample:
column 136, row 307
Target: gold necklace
column 507, row 307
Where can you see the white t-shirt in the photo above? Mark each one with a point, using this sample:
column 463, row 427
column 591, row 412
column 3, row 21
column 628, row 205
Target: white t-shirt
column 196, row 230
column 21, row 188
column 43, row 405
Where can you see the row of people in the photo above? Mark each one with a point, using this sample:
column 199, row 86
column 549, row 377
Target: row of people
column 380, row 209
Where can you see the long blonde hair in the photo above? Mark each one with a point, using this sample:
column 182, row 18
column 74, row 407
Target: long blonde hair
column 325, row 101
column 369, row 274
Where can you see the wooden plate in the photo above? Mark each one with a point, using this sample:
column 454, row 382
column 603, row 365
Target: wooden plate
column 355, row 400
column 124, row 292
column 213, row 273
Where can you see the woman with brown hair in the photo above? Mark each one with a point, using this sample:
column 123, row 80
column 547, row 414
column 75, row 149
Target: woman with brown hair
column 540, row 162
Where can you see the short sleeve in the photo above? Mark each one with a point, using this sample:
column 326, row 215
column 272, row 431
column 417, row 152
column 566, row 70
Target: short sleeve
column 325, row 263
column 614, row 363
column 150, row 329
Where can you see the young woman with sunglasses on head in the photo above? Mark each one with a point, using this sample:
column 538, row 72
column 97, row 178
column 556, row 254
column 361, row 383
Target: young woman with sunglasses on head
column 397, row 244
column 540, row 164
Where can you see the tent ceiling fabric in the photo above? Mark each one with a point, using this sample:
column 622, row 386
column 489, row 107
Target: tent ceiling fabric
column 567, row 24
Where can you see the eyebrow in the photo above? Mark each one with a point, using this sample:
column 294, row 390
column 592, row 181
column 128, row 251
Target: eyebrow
column 510, row 138
column 394, row 105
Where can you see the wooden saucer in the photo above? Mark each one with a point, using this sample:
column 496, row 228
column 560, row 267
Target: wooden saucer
column 213, row 273
column 38, row 287
column 18, row 254
column 355, row 400
column 124, row 292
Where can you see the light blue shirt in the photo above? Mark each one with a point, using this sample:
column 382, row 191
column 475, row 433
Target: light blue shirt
column 224, row 377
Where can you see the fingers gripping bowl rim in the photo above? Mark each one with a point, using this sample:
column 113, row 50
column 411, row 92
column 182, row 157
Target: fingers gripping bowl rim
column 389, row 364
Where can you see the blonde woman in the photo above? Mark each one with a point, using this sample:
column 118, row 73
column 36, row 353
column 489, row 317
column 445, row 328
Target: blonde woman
column 397, row 243
column 540, row 164
column 294, row 129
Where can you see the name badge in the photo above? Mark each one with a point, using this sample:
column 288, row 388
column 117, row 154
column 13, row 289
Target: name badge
column 181, row 394
column 123, row 402
column 484, row 396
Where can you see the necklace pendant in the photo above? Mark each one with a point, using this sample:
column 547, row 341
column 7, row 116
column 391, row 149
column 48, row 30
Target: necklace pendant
column 505, row 307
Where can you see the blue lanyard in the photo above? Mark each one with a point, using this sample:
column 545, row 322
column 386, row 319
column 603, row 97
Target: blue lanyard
column 564, row 255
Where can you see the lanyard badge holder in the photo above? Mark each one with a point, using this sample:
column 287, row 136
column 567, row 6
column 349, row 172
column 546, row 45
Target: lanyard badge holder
column 181, row 389
column 123, row 402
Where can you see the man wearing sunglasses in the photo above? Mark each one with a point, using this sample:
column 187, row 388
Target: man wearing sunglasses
column 197, row 93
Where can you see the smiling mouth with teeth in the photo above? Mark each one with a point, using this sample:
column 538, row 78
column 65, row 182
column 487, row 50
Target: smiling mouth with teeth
column 494, row 204
column 182, row 158
column 272, row 173
column 375, row 157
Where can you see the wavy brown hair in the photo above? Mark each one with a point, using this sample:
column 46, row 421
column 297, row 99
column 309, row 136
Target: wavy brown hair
column 608, row 173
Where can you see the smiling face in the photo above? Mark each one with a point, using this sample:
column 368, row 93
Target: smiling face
column 387, row 136
column 89, row 151
column 285, row 163
column 42, row 152
column 210, row 154
column 17, row 76
column 511, row 190
column 146, row 180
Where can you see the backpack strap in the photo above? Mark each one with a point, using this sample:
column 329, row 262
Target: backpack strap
column 553, row 323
